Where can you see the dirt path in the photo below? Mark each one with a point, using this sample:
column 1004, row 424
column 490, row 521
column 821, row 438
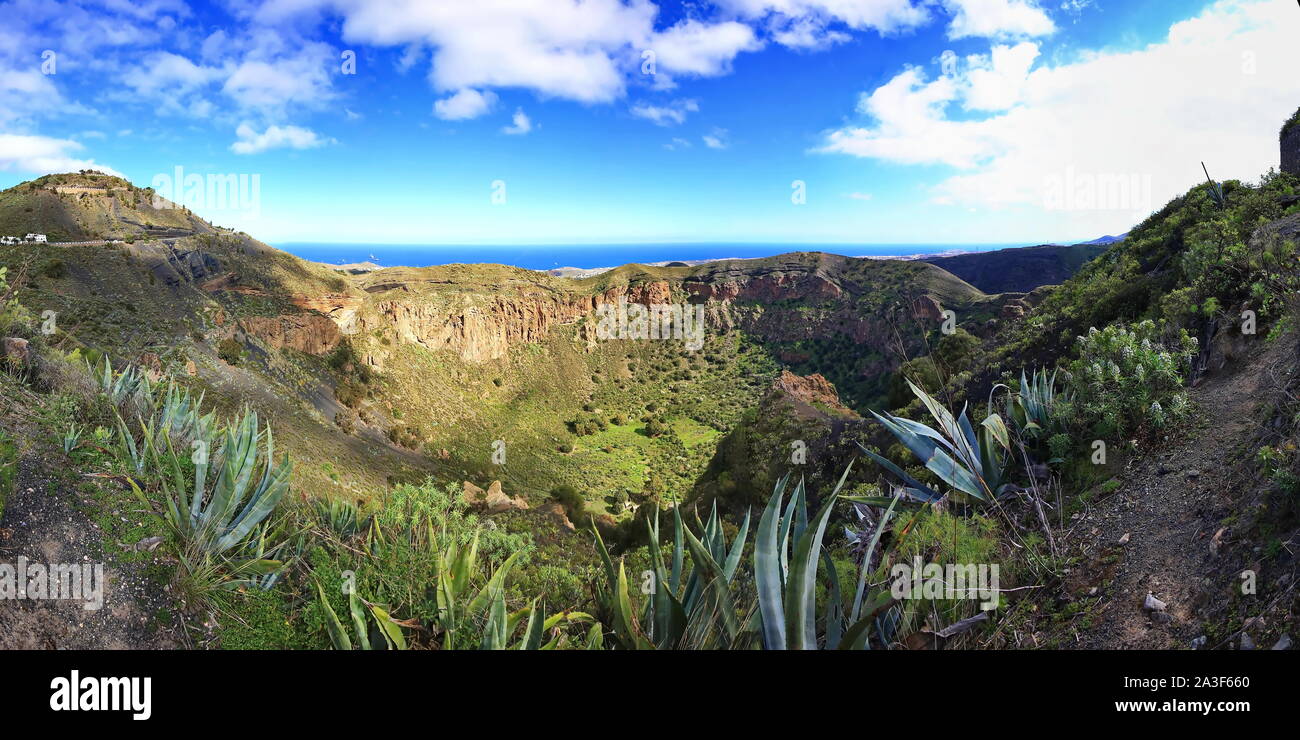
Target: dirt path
column 44, row 524
column 1170, row 504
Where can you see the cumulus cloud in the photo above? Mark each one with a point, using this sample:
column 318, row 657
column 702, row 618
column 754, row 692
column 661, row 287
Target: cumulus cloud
column 811, row 18
column 249, row 141
column 464, row 104
column 672, row 113
column 44, row 155
column 278, row 83
column 716, row 139
column 997, row 18
column 581, row 51
column 1216, row 88
column 520, row 124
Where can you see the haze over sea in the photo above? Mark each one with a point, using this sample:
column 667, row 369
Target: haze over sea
column 588, row 256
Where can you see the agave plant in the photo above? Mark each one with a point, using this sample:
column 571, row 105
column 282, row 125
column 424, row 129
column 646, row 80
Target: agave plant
column 180, row 418
column 459, row 607
column 371, row 625
column 501, row 625
column 692, row 606
column 215, row 518
column 342, row 517
column 125, row 387
column 786, row 553
column 972, row 463
column 71, row 439
column 1033, row 408
column 710, row 605
column 1216, row 189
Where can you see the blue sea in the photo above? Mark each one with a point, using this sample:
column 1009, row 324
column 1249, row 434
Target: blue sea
column 547, row 257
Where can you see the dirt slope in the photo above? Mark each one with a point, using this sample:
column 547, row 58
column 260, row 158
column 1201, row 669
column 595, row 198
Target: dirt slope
column 43, row 522
column 1170, row 504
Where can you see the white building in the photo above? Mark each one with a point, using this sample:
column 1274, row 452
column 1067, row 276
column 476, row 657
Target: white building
column 38, row 238
column 9, row 240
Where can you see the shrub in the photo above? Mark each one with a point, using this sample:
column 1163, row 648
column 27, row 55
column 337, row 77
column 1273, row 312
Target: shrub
column 230, row 351
column 574, row 503
column 1126, row 378
column 655, row 427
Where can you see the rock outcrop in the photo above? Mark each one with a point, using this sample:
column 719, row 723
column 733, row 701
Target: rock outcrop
column 1289, row 142
column 16, row 351
column 811, row 389
column 491, row 501
column 311, row 333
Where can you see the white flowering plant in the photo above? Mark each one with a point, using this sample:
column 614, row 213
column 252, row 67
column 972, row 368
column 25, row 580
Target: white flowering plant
column 1129, row 378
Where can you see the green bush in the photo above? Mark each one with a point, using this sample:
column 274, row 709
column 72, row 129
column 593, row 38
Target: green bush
column 230, row 351
column 1126, row 379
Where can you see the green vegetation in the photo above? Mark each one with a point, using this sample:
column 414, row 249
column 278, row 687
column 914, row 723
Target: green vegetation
column 1126, row 380
column 366, row 540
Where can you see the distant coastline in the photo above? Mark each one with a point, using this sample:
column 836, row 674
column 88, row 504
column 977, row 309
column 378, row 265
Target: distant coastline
column 590, row 259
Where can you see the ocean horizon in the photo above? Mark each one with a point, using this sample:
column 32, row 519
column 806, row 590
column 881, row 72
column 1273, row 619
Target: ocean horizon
column 592, row 256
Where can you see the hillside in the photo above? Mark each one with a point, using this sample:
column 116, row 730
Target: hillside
column 488, row 400
column 92, row 206
column 1019, row 269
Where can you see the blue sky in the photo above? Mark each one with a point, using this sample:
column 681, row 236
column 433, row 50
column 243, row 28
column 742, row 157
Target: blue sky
column 906, row 121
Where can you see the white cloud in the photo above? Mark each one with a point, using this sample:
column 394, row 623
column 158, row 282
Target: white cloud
column 716, row 139
column 583, row 51
column 806, row 32
column 665, row 115
column 706, row 50
column 884, row 16
column 25, row 93
column 677, row 143
column 996, row 81
column 275, row 137
column 276, row 83
column 1217, row 88
column 520, row 124
column 467, row 103
column 997, row 18
column 44, row 155
column 170, row 74
column 860, row 196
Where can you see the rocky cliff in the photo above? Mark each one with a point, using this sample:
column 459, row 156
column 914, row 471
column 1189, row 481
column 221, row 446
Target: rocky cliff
column 1289, row 141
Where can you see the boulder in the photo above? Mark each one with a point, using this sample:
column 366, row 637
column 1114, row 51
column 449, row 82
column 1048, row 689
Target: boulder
column 17, row 351
column 473, row 495
column 927, row 309
column 554, row 509
column 497, row 501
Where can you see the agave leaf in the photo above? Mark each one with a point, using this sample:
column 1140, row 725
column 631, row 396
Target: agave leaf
column 595, row 637
column 392, row 633
column 768, row 573
column 856, row 614
column 494, row 585
column 359, row 619
column 916, row 487
column 332, row 624
column 800, row 609
column 737, row 549
column 533, row 632
column 678, row 554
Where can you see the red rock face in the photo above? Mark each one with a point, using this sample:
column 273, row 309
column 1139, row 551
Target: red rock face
column 310, row 333
column 767, row 288
column 481, row 329
column 927, row 308
column 809, row 389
